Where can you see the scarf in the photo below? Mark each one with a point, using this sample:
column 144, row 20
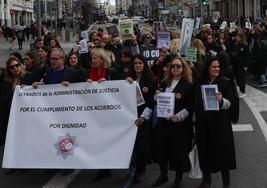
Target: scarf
column 94, row 76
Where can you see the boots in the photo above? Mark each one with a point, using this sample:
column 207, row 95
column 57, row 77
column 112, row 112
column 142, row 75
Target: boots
column 226, row 178
column 178, row 179
column 206, row 181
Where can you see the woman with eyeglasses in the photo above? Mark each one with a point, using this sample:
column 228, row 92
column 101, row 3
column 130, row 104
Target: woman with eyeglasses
column 141, row 73
column 174, row 134
column 14, row 74
column 214, row 134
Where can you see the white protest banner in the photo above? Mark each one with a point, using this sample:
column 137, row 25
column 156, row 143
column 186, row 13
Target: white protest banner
column 82, row 126
column 126, row 28
column 165, row 105
column 186, row 35
column 163, row 39
column 84, row 47
column 84, row 35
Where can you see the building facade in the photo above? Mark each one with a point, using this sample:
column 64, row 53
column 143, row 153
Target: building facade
column 16, row 11
column 122, row 6
column 240, row 8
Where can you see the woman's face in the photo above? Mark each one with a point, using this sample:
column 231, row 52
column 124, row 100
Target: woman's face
column 28, row 61
column 97, row 61
column 214, row 69
column 163, row 52
column 15, row 68
column 73, row 60
column 52, row 43
column 237, row 38
column 94, row 35
column 138, row 65
column 176, row 67
column 222, row 36
column 125, row 59
column 147, row 39
column 210, row 39
column 42, row 54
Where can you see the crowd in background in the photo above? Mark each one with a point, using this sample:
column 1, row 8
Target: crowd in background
column 223, row 58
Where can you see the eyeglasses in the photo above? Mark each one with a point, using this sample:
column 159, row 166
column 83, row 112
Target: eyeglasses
column 55, row 58
column 176, row 66
column 13, row 66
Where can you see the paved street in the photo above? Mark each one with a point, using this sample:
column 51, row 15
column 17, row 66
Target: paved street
column 250, row 142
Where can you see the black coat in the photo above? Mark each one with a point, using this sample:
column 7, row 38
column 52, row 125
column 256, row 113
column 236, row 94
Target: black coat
column 174, row 140
column 6, row 95
column 214, row 134
column 143, row 139
column 69, row 75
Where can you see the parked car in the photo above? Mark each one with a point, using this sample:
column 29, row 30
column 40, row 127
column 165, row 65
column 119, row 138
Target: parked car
column 139, row 19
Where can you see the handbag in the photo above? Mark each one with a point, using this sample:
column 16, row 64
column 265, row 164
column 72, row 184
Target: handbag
column 195, row 171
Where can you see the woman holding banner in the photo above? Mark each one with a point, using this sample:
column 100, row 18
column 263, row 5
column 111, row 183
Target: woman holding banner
column 141, row 73
column 100, row 72
column 174, row 134
column 14, row 74
column 101, row 63
column 214, row 134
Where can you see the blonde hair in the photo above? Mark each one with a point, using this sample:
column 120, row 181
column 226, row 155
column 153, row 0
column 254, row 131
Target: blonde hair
column 200, row 47
column 102, row 54
column 8, row 75
column 174, row 46
column 186, row 74
column 175, row 35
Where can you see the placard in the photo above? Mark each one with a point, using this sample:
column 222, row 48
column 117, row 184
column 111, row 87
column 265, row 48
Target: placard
column 191, row 55
column 126, row 28
column 165, row 104
column 209, row 97
column 186, row 35
column 163, row 39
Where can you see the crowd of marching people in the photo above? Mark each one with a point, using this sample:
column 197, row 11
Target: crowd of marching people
column 223, row 58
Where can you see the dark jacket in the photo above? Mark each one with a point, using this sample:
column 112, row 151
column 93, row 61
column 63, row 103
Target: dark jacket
column 69, row 75
column 6, row 95
column 143, row 138
column 214, row 134
column 174, row 140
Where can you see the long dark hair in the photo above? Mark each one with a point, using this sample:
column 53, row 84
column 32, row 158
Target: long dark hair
column 225, row 66
column 78, row 66
column 146, row 73
column 205, row 71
